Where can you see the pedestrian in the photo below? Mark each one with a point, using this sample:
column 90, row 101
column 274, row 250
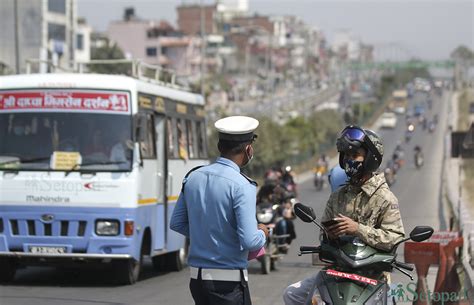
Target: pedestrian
column 216, row 210
column 364, row 207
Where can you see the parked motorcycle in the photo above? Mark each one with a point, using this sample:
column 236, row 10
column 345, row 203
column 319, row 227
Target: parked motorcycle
column 355, row 272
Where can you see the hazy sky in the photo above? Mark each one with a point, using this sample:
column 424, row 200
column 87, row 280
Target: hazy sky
column 430, row 29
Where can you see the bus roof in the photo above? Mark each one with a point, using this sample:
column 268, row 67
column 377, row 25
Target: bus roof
column 96, row 81
column 400, row 93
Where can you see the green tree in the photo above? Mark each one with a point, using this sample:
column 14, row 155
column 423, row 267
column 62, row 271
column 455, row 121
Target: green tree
column 109, row 51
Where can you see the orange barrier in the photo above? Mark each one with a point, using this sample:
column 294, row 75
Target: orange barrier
column 441, row 251
column 423, row 255
column 447, row 280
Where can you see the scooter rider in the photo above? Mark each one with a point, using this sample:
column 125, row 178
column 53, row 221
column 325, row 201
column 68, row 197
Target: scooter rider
column 365, row 207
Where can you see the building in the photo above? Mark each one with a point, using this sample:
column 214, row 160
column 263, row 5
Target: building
column 46, row 29
column 83, row 41
column 189, row 19
column 156, row 43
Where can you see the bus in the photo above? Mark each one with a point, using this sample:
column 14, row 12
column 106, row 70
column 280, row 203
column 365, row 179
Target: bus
column 399, row 101
column 91, row 167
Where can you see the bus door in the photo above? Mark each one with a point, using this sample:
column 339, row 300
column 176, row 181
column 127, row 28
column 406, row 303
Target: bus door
column 161, row 170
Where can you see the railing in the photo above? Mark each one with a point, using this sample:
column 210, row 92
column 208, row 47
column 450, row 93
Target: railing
column 138, row 69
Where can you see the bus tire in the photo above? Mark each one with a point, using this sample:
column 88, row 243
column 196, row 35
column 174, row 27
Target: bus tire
column 8, row 269
column 128, row 271
column 175, row 261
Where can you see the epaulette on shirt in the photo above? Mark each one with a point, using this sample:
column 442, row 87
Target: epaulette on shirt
column 187, row 175
column 249, row 179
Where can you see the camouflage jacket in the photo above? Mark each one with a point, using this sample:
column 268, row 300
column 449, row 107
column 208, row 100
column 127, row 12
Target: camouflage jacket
column 374, row 207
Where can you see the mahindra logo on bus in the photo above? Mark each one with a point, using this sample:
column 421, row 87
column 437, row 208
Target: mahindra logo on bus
column 47, row 218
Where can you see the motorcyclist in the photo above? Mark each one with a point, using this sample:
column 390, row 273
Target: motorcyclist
column 288, row 181
column 365, row 207
column 418, row 156
column 322, row 164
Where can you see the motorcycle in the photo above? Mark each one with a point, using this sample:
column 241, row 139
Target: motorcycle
column 279, row 226
column 319, row 178
column 419, row 159
column 355, row 272
column 390, row 177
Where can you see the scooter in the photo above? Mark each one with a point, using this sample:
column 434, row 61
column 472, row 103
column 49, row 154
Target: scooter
column 419, row 159
column 355, row 272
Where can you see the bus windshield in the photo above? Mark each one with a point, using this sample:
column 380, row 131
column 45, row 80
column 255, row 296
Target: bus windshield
column 29, row 139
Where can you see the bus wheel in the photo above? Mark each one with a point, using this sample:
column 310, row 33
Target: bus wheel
column 128, row 271
column 8, row 269
column 175, row 261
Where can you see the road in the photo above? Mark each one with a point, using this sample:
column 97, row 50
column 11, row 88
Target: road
column 418, row 192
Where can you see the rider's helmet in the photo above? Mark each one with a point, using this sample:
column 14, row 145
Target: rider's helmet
column 354, row 137
column 337, row 177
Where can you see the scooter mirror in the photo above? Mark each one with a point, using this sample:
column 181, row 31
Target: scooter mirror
column 304, row 213
column 421, row 233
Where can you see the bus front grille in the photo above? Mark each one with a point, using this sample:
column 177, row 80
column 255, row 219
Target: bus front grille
column 32, row 227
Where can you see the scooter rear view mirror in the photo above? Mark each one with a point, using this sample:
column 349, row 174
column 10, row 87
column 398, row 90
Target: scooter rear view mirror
column 305, row 213
column 421, row 233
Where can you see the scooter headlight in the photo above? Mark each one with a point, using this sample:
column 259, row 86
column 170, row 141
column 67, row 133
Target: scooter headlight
column 265, row 216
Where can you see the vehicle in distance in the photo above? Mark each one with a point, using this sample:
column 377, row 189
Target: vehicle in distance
column 388, row 120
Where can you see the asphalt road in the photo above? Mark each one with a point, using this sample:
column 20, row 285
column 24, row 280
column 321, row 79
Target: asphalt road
column 418, row 192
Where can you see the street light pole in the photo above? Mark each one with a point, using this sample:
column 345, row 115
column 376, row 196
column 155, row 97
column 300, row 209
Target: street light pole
column 203, row 45
column 17, row 37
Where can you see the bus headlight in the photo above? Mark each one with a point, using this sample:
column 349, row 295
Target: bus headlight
column 107, row 227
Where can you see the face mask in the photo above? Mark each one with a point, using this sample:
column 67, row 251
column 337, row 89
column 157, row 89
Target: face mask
column 249, row 158
column 18, row 130
column 352, row 167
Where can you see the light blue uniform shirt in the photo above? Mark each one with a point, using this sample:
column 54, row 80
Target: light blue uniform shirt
column 217, row 212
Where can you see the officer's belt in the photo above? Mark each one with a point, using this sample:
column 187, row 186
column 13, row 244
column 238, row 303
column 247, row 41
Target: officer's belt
column 218, row 274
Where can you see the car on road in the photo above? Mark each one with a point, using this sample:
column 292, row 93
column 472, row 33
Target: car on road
column 388, row 120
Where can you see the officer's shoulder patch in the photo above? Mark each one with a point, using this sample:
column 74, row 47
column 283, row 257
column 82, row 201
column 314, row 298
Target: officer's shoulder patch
column 249, row 179
column 394, row 206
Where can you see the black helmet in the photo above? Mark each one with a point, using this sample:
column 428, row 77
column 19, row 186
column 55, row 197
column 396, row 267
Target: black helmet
column 353, row 137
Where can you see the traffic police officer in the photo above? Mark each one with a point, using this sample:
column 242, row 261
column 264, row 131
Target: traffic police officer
column 216, row 210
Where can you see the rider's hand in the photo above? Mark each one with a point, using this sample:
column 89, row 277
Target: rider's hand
column 263, row 228
column 345, row 225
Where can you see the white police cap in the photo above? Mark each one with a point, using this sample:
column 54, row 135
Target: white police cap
column 236, row 128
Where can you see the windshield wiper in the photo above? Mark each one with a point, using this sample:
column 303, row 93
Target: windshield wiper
column 93, row 163
column 31, row 160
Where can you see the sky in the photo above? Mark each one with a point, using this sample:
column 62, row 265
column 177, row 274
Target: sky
column 427, row 29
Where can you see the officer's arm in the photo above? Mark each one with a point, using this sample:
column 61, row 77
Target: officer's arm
column 390, row 230
column 179, row 220
column 244, row 208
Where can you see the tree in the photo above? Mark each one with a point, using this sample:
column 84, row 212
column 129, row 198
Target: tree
column 109, row 51
column 462, row 52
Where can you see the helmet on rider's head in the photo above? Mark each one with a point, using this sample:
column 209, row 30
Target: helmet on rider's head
column 354, row 137
column 288, row 169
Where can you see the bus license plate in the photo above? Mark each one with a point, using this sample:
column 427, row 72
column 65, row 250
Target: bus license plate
column 47, row 250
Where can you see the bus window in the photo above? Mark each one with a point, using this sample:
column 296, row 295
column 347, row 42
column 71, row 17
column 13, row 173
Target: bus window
column 182, row 139
column 172, row 146
column 201, row 139
column 147, row 146
column 191, row 128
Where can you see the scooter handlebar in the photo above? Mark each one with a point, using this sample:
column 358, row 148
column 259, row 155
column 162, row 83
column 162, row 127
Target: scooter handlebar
column 310, row 249
column 404, row 266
